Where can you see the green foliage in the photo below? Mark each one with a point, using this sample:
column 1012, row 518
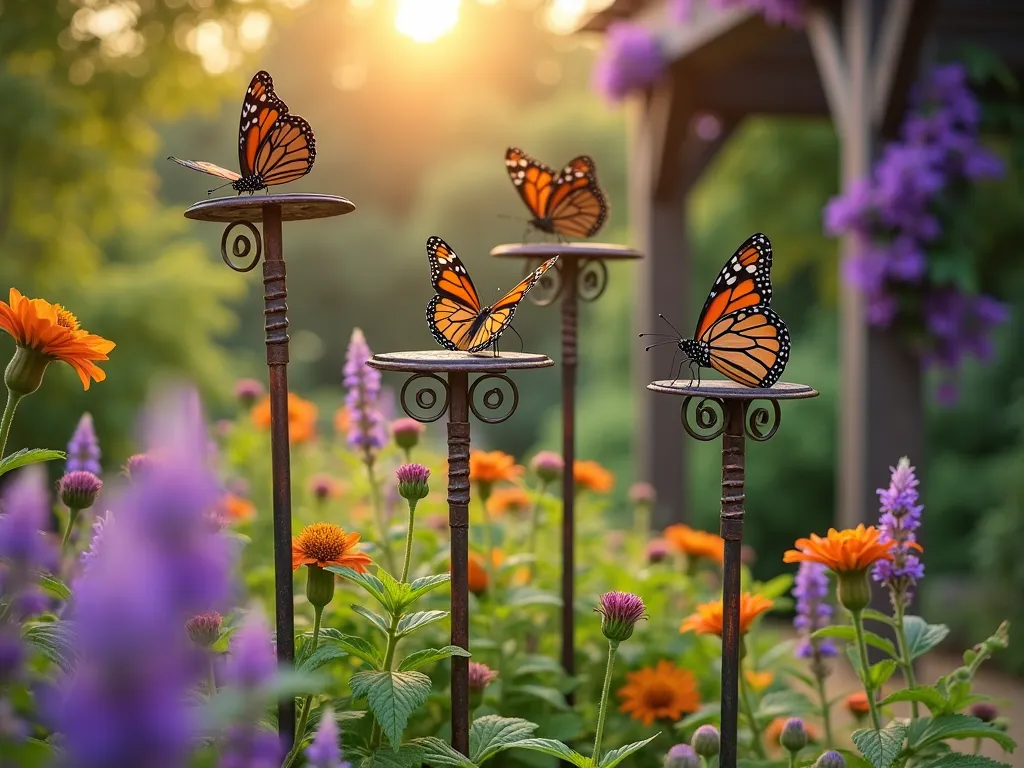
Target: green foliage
column 27, row 456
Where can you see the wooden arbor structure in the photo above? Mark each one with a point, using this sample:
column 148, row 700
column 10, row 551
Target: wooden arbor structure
column 854, row 62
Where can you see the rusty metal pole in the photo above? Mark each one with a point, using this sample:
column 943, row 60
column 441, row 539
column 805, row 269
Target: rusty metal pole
column 570, row 324
column 458, row 522
column 733, row 460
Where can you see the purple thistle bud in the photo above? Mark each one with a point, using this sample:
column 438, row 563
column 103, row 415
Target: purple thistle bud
column 642, row 493
column 366, row 432
column 813, row 612
column 406, row 433
column 633, row 58
column 136, row 465
column 682, row 756
column 620, row 611
column 900, row 518
column 204, row 629
column 658, row 550
column 480, row 676
column 248, row 391
column 794, row 735
column 548, row 465
column 78, row 490
column 830, row 759
column 706, row 741
column 984, row 710
column 325, row 750
column 412, row 481
column 84, row 448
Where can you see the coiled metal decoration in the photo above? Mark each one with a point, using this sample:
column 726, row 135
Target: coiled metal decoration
column 494, row 398
column 242, row 246
column 592, row 279
column 426, row 398
column 759, row 424
column 707, row 420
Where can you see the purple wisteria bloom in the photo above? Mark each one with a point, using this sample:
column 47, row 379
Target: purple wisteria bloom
column 813, row 611
column 366, row 433
column 633, row 58
column 900, row 518
column 775, row 12
column 325, row 751
column 84, row 448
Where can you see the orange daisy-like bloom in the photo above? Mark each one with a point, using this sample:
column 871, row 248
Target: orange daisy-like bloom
column 236, row 508
column 513, row 499
column 848, row 551
column 661, row 692
column 758, row 681
column 708, row 618
column 53, row 332
column 324, row 544
column 479, row 580
column 696, row 544
column 857, row 703
column 591, row 476
column 489, row 467
column 302, row 416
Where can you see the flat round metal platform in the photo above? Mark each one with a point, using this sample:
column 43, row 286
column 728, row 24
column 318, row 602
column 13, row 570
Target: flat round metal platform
column 297, row 206
column 443, row 361
column 603, row 251
column 723, row 388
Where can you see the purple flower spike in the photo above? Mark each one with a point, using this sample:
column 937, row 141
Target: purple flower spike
column 84, row 448
column 900, row 518
column 620, row 611
column 325, row 751
column 633, row 58
column 366, row 433
column 812, row 611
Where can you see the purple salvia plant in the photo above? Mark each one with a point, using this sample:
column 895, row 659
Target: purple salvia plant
column 325, row 751
column 900, row 519
column 366, row 434
column 813, row 611
column 633, row 58
column 99, row 525
column 84, row 448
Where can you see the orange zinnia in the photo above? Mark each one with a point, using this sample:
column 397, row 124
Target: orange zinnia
column 302, row 416
column 323, row 544
column 479, row 580
column 513, row 499
column 708, row 618
column 236, row 508
column 758, row 681
column 857, row 703
column 52, row 332
column 848, row 551
column 696, row 544
column 489, row 467
column 591, row 476
column 661, row 692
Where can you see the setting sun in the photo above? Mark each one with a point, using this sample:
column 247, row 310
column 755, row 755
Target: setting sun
column 426, row 20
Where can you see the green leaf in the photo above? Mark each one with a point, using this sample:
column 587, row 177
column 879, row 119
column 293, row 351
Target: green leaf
column 414, row 621
column 960, row 760
column 370, row 583
column 31, row 753
column 556, row 749
column 437, row 752
column 781, row 704
column 425, row 584
column 324, row 654
column 881, row 672
column 357, row 646
column 55, row 640
column 848, row 633
column 55, row 586
column 537, row 665
column 392, row 697
column 521, row 598
column 491, row 734
column 776, row 587
column 708, row 713
column 395, row 592
column 872, row 615
column 749, row 762
column 552, row 696
column 922, row 636
column 407, row 756
column 27, row 456
column 924, row 694
column 853, row 760
column 882, row 747
column 932, row 730
column 375, row 618
column 616, row 756
column 430, row 655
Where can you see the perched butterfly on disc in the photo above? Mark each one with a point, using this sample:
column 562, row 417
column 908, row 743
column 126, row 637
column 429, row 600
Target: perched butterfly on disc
column 738, row 333
column 455, row 315
column 569, row 203
column 274, row 146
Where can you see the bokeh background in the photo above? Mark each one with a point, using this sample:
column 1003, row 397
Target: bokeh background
column 413, row 103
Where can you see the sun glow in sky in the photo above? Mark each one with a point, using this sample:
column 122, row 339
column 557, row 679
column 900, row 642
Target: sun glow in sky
column 426, row 20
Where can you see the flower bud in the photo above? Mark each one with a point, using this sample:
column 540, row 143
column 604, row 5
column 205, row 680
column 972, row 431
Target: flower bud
column 204, row 629
column 25, row 372
column 136, row 465
column 985, row 711
column 682, row 756
column 1002, row 724
column 324, row 487
column 480, row 676
column 830, row 759
column 657, row 550
column 78, row 490
column 248, row 391
column 548, row 466
column 412, row 481
column 706, row 741
column 643, row 493
column 319, row 586
column 853, row 590
column 620, row 611
column 406, row 433
column 794, row 735
column 858, row 706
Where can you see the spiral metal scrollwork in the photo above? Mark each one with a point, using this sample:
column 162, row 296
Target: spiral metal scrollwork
column 548, row 287
column 759, row 424
column 242, row 246
column 426, row 398
column 707, row 421
column 592, row 279
column 494, row 398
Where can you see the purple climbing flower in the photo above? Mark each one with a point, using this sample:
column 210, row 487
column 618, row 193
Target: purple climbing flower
column 366, row 433
column 775, row 12
column 633, row 58
column 813, row 611
column 325, row 750
column 900, row 518
column 84, row 448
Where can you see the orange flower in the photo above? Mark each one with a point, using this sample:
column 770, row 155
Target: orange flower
column 591, row 476
column 513, row 499
column 302, row 415
column 342, row 420
column 479, row 580
column 708, row 618
column 758, row 681
column 52, row 332
column 236, row 508
column 663, row 691
column 324, row 544
column 696, row 544
column 857, row 703
column 489, row 467
column 851, row 550
column 773, row 732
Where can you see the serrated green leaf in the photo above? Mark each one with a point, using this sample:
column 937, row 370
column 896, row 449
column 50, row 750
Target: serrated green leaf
column 375, row 618
column 870, row 614
column 556, row 749
column 879, row 673
column 414, row 621
column 55, row 640
column 370, row 583
column 848, row 633
column 430, row 655
column 960, row 760
column 324, row 654
column 395, row 592
column 55, row 586
column 616, row 756
column 357, row 646
column 782, row 704
column 922, row 636
column 425, row 584
column 924, row 694
column 932, row 730
column 881, row 748
column 392, row 697
column 437, row 752
column 552, row 696
column 27, row 456
column 491, row 734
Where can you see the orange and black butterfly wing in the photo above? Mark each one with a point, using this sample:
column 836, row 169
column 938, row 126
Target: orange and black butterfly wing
column 577, row 206
column 277, row 146
column 499, row 316
column 453, row 313
column 750, row 346
column 744, row 282
column 211, row 168
column 532, row 180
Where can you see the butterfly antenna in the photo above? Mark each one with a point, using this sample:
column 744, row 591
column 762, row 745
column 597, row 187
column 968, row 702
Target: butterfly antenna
column 658, row 334
column 522, row 347
column 211, row 191
column 659, row 344
column 670, row 325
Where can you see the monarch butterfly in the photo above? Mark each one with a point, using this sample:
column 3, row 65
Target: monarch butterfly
column 274, row 147
column 738, row 333
column 456, row 318
column 569, row 203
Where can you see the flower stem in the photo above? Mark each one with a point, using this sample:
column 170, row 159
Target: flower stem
column 376, row 734
column 408, row 540
column 5, row 422
column 318, row 612
column 792, row 759
column 603, row 708
column 748, row 710
column 378, row 512
column 72, row 517
column 642, row 529
column 485, row 494
column 531, row 545
column 211, row 675
column 826, row 707
column 906, row 662
column 869, row 688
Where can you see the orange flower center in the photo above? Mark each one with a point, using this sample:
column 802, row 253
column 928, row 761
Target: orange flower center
column 66, row 319
column 658, row 695
column 323, row 541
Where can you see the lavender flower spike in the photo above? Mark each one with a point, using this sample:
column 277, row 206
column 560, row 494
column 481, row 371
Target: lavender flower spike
column 900, row 518
column 812, row 611
column 324, row 751
column 366, row 433
column 84, row 448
